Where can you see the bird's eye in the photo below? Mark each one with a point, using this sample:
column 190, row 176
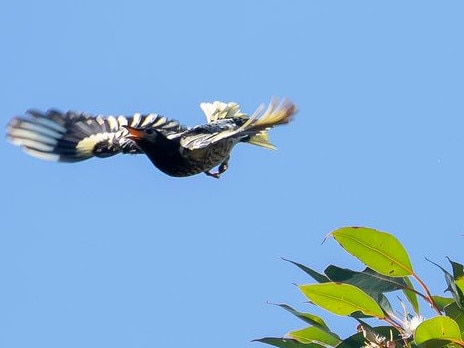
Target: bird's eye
column 149, row 131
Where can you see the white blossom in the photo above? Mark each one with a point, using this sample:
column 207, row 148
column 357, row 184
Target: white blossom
column 410, row 324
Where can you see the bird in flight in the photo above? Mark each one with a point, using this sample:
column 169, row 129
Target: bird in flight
column 174, row 149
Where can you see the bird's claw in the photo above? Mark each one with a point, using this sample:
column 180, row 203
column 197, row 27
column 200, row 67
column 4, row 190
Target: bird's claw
column 222, row 168
column 216, row 175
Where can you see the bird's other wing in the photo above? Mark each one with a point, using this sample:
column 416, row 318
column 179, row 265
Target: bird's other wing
column 220, row 110
column 242, row 128
column 73, row 136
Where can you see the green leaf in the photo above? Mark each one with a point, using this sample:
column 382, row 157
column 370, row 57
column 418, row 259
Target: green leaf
column 356, row 340
column 378, row 250
column 342, row 299
column 320, row 278
column 383, row 302
column 371, row 282
column 368, row 280
column 436, row 331
column 458, row 269
column 286, row 343
column 452, row 287
column 456, row 313
column 306, row 317
column 411, row 295
column 441, row 302
column 458, row 274
column 314, row 334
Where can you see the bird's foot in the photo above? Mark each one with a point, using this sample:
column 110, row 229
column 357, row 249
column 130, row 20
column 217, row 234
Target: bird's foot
column 222, row 168
column 216, row 175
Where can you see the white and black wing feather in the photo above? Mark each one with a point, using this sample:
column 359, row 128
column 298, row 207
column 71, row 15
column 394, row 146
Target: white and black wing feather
column 219, row 110
column 72, row 136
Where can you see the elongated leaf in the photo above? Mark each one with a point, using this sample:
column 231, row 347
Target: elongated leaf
column 378, row 250
column 356, row 340
column 306, row 317
column 411, row 295
column 314, row 334
column 452, row 287
column 320, row 278
column 368, row 280
column 383, row 302
column 286, row 343
column 458, row 275
column 342, row 299
column 443, row 329
column 371, row 282
column 458, row 269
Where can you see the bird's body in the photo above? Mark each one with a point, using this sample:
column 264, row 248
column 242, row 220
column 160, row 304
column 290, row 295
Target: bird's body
column 174, row 149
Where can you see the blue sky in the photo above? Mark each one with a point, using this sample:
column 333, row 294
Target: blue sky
column 113, row 253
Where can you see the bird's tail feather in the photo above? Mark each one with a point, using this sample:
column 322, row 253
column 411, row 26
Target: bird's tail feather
column 261, row 139
column 277, row 113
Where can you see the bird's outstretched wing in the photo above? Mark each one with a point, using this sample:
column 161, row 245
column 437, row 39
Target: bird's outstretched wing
column 227, row 122
column 73, row 136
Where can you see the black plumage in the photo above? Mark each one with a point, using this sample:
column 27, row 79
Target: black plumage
column 174, row 149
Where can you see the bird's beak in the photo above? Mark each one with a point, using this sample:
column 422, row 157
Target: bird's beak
column 134, row 133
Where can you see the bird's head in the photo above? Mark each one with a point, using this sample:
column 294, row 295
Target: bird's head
column 138, row 134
